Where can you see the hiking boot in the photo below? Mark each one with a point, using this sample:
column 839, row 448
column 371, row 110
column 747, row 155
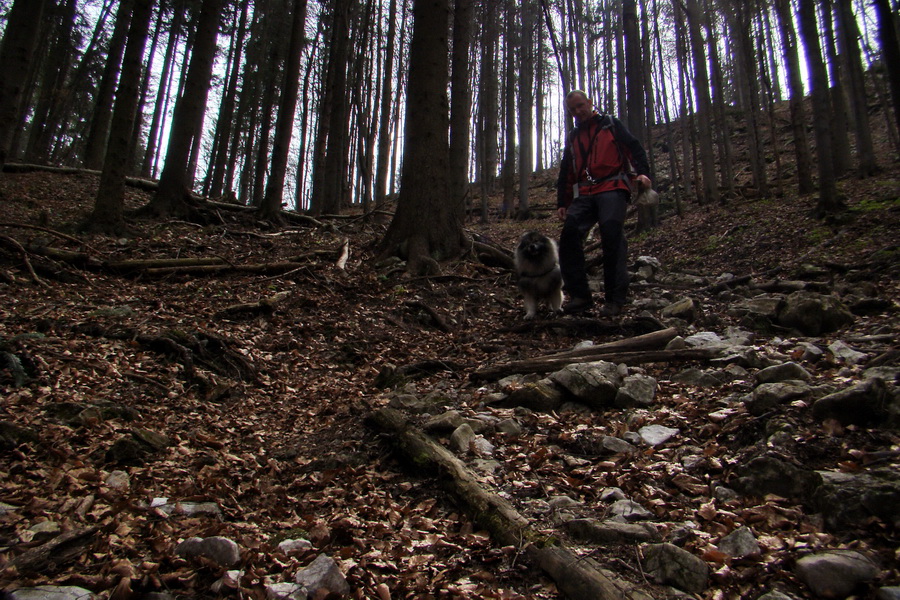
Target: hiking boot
column 577, row 305
column 611, row 309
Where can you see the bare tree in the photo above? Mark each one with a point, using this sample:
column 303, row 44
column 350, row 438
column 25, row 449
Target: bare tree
column 425, row 227
column 174, row 183
column 460, row 105
column 109, row 207
column 829, row 202
column 16, row 55
column 704, row 109
column 285, row 125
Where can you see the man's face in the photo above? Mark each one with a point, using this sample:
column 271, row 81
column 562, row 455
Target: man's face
column 580, row 107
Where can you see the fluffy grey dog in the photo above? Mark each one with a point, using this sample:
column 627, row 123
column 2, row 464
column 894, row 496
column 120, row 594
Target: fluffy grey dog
column 537, row 265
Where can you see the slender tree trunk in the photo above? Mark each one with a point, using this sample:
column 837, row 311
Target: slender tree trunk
column 848, row 37
column 840, row 131
column 634, row 79
column 460, row 106
column 156, row 123
column 488, row 109
column 681, row 56
column 509, row 110
column 887, row 36
column 829, row 200
column 285, row 125
column 704, row 108
column 16, row 55
column 100, row 121
column 108, row 214
column 795, row 91
column 174, row 184
column 387, row 105
column 526, row 106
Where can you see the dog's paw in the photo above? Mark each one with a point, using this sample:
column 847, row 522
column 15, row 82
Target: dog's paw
column 529, row 316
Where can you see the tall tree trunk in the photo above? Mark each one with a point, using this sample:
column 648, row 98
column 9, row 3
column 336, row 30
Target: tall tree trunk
column 526, row 106
column 16, row 55
column 162, row 94
column 53, row 87
column 681, row 57
column 387, row 105
column 795, row 92
column 634, row 79
column 848, row 38
column 174, row 184
column 460, row 106
column 704, row 108
column 890, row 46
column 487, row 109
column 840, row 114
column 225, row 122
column 285, row 125
column 748, row 82
column 509, row 110
column 720, row 114
column 829, row 201
column 100, row 120
column 108, row 214
column 425, row 227
column 335, row 165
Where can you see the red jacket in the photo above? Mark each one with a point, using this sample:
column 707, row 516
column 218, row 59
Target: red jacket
column 597, row 157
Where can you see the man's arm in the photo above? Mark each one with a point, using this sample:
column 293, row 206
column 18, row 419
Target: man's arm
column 638, row 154
column 563, row 185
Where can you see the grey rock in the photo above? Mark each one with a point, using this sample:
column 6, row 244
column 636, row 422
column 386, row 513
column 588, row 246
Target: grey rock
column 725, row 494
column 685, row 308
column 322, row 577
column 704, row 339
column 482, row 447
column 654, row 435
column 740, row 543
column 462, row 438
column 610, row 532
column 735, row 336
column 294, row 545
column 868, row 403
column 676, row 343
column 285, row 591
column 220, row 550
column 615, row 445
column 845, row 353
column 612, row 494
column 814, row 314
column 540, row 396
column 783, row 372
column 629, row 510
column 594, row 383
column 562, row 502
column 670, row 565
column 888, row 593
column 835, row 574
column 890, row 374
column 444, row 422
column 764, row 305
column 636, row 390
column 509, row 427
column 849, row 500
column 769, row 475
column 700, row 378
column 52, row 592
column 811, row 352
column 769, row 395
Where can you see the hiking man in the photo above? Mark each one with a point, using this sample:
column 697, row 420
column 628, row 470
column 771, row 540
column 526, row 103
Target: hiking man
column 594, row 186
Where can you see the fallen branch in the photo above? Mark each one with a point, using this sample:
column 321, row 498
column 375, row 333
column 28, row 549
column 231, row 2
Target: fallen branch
column 266, row 306
column 51, row 555
column 576, row 577
column 546, row 364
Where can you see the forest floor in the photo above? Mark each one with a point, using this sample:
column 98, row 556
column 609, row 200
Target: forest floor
column 269, row 419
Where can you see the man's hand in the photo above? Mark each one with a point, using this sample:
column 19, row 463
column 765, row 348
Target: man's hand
column 561, row 213
column 643, row 182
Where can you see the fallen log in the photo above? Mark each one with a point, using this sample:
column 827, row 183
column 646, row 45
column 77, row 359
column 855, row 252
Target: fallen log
column 576, row 577
column 546, row 364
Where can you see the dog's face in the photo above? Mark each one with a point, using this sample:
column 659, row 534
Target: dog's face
column 534, row 245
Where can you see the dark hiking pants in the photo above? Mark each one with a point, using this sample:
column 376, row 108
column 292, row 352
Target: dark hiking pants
column 607, row 209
